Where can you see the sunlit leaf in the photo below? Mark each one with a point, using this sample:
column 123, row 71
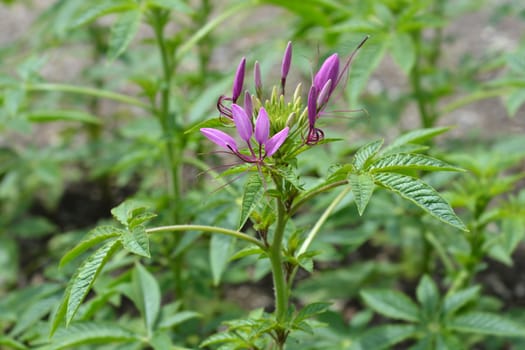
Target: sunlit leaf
column 403, row 51
column 178, row 318
column 422, row 195
column 415, row 136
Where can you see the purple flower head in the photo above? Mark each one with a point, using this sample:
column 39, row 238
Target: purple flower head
column 248, row 104
column 239, row 80
column 266, row 146
column 314, row 134
column 285, row 66
column 328, row 71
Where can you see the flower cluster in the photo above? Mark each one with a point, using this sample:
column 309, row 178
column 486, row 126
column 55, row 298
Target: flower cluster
column 291, row 118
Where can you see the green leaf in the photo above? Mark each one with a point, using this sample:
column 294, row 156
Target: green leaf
column 427, row 294
column 403, row 51
column 85, row 277
column 161, row 340
column 122, row 32
column 62, row 115
column 147, row 296
column 455, row 301
column 33, row 314
column 253, row 193
column 365, row 153
column 128, row 210
column 392, row 304
column 402, row 161
column 383, row 337
column 136, row 241
column 514, row 101
column 223, row 337
column 311, row 310
column 84, row 333
column 94, row 11
column 420, row 194
column 220, row 249
column 178, row 318
column 177, row 5
column 97, row 235
column 362, row 186
column 11, row 343
column 415, row 136
column 486, row 323
column 308, row 11
column 251, row 250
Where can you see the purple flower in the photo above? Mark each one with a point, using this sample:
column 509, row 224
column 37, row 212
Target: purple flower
column 265, row 147
column 238, row 83
column 257, row 79
column 314, row 134
column 328, row 71
column 285, row 66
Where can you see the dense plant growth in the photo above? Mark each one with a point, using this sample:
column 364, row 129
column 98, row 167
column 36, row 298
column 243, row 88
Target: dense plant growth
column 244, row 175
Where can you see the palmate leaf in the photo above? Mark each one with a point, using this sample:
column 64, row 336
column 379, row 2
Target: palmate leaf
column 94, row 237
column 383, row 337
column 362, row 186
column 392, row 304
column 84, row 277
column 365, row 153
column 253, row 193
column 85, row 333
column 402, row 161
column 147, row 296
column 486, row 323
column 123, row 31
column 420, row 194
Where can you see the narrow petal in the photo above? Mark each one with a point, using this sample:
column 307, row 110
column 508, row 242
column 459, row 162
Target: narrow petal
column 248, row 104
column 242, row 122
column 257, row 79
column 312, row 105
column 324, row 95
column 273, row 144
column 262, row 127
column 238, row 80
column 287, row 59
column 329, row 70
column 220, row 138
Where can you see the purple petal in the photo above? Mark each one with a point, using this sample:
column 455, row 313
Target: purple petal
column 273, row 144
column 238, row 80
column 248, row 104
column 329, row 70
column 312, row 105
column 242, row 122
column 220, row 138
column 262, row 127
column 287, row 59
column 324, row 95
column 257, row 78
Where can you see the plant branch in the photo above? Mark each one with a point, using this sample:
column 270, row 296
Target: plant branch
column 210, row 229
column 301, row 200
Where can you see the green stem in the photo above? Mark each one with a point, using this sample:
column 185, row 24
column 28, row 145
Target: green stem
column 210, row 229
column 301, row 200
column 87, row 91
column 275, row 255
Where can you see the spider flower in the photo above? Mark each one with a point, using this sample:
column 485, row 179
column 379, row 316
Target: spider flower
column 265, row 146
column 238, row 83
